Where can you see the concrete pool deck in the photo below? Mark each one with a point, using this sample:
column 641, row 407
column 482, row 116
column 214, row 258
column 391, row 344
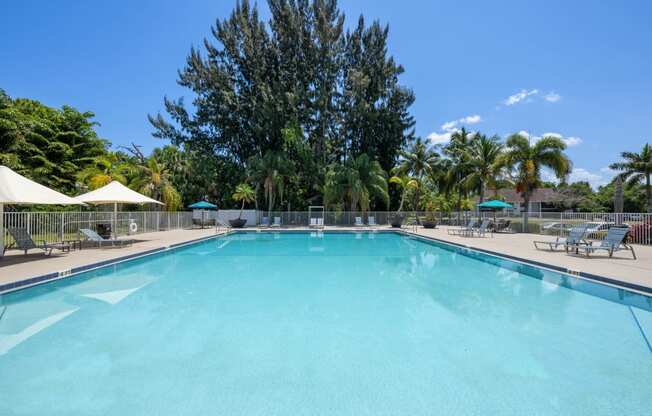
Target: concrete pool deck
column 16, row 267
column 621, row 267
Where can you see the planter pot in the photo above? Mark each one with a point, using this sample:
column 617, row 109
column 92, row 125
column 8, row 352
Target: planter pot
column 429, row 223
column 237, row 223
column 397, row 221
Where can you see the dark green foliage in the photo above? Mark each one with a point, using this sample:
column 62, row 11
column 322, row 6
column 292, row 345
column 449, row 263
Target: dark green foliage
column 300, row 86
column 45, row 144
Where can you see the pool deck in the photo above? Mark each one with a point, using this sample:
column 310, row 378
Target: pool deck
column 621, row 267
column 16, row 268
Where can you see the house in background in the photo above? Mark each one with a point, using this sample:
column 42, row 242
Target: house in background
column 542, row 200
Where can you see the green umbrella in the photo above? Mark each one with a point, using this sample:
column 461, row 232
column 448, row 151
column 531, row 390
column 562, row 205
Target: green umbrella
column 495, row 204
column 202, row 205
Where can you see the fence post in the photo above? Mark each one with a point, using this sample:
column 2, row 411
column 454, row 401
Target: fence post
column 158, row 221
column 62, row 225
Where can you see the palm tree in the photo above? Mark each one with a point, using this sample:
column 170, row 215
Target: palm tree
column 483, row 157
column 270, row 171
column 153, row 179
column 528, row 158
column 104, row 170
column 635, row 167
column 357, row 181
column 245, row 194
column 457, row 150
column 419, row 160
column 404, row 183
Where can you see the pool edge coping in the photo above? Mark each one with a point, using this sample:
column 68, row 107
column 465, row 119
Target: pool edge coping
column 58, row 275
column 632, row 287
column 64, row 274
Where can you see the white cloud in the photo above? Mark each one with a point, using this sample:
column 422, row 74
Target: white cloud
column 438, row 138
column 451, row 126
column 520, row 96
column 474, row 119
column 557, row 135
column 584, row 175
column 570, row 141
column 552, row 97
column 578, row 175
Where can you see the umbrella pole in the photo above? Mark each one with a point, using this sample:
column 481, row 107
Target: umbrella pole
column 115, row 219
column 2, row 230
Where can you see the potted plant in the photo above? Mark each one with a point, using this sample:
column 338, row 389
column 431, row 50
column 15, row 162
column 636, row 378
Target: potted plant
column 431, row 203
column 244, row 194
column 405, row 183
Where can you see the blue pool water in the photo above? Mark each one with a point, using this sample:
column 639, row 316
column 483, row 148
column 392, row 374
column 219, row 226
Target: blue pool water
column 333, row 324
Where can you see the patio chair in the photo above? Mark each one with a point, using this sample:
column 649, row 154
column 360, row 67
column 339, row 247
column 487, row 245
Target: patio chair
column 614, row 241
column 503, row 226
column 358, row 222
column 316, row 222
column 481, row 231
column 576, row 236
column 277, row 222
column 372, row 221
column 101, row 241
column 24, row 241
column 459, row 230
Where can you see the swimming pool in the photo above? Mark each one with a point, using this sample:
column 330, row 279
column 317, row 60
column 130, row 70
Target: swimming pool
column 324, row 324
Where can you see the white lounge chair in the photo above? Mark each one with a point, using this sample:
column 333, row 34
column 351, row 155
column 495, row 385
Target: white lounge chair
column 481, row 231
column 95, row 237
column 358, row 222
column 277, row 222
column 577, row 235
column 614, row 241
column 372, row 221
column 459, row 230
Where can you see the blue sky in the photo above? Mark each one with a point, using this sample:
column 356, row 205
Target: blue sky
column 580, row 69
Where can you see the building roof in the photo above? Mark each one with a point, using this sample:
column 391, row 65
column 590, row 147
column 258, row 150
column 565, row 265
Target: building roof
column 539, row 195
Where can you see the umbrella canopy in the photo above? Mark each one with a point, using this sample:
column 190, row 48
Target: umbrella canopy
column 202, row 205
column 115, row 193
column 17, row 189
column 495, row 204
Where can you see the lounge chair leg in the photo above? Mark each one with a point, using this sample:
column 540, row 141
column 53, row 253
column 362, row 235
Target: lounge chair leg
column 633, row 253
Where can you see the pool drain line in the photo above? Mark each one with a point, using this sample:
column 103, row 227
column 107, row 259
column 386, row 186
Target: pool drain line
column 640, row 328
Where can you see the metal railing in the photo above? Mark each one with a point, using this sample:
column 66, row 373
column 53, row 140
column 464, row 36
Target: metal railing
column 548, row 223
column 60, row 226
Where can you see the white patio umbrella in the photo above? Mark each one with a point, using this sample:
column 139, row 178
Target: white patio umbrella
column 18, row 190
column 115, row 193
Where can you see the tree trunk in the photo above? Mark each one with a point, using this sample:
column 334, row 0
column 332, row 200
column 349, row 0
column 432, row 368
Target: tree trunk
column 618, row 196
column 416, row 205
column 648, row 192
column 400, row 207
column 241, row 209
column 526, row 201
column 481, row 192
column 270, row 205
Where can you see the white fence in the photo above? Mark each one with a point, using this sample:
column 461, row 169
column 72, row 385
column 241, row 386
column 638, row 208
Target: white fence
column 550, row 223
column 59, row 226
